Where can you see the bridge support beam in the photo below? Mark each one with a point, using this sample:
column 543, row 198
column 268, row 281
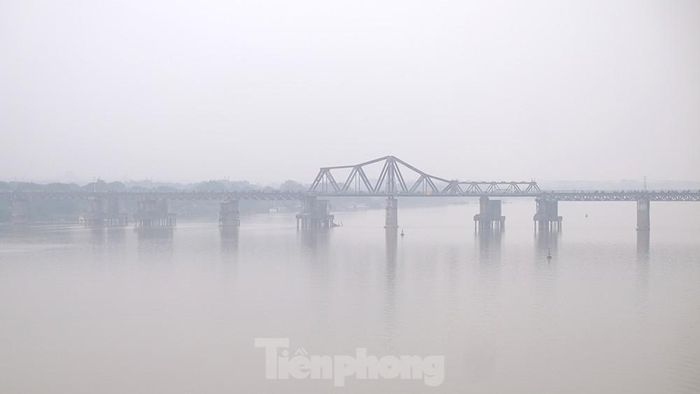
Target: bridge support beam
column 392, row 218
column 153, row 213
column 229, row 215
column 489, row 217
column 643, row 222
column 315, row 215
column 547, row 217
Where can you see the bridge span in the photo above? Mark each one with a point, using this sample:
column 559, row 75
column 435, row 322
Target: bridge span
column 387, row 177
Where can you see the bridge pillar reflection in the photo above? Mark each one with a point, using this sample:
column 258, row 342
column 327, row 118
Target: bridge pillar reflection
column 315, row 214
column 489, row 217
column 229, row 241
column 643, row 242
column 392, row 218
column 153, row 213
column 547, row 217
column 229, row 215
column 643, row 222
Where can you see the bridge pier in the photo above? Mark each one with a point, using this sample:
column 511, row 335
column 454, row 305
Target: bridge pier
column 153, row 213
column 229, row 215
column 489, row 217
column 643, row 209
column 392, row 218
column 547, row 217
column 314, row 215
column 19, row 210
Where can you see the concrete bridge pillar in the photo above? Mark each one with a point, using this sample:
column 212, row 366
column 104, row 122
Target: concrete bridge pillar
column 392, row 218
column 229, row 215
column 315, row 214
column 19, row 210
column 643, row 222
column 489, row 217
column 547, row 217
column 153, row 213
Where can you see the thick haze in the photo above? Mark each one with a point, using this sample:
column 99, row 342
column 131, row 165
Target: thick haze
column 271, row 90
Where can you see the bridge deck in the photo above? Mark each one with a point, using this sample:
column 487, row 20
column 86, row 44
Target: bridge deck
column 622, row 195
column 559, row 195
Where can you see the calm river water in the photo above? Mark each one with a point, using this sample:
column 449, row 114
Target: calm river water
column 119, row 312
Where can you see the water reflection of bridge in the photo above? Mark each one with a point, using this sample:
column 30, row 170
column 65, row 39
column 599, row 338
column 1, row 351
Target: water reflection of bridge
column 388, row 177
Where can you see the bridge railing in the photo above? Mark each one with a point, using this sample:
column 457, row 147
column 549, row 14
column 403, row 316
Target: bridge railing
column 168, row 195
column 621, row 195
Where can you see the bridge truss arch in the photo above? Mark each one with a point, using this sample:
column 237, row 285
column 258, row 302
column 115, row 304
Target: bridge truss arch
column 399, row 178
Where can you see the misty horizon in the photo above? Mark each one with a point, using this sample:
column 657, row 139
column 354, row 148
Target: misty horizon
column 622, row 184
column 273, row 91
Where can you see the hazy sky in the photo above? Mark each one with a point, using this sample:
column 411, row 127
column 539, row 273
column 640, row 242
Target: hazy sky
column 271, row 90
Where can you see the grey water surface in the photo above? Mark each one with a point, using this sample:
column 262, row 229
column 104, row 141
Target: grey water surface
column 116, row 311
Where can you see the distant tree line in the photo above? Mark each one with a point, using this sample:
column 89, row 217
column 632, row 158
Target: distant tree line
column 69, row 210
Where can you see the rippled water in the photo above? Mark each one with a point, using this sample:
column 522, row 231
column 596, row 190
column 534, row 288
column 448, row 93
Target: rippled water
column 117, row 312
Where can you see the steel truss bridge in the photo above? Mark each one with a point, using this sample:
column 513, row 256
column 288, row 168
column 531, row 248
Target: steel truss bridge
column 398, row 178
column 392, row 177
column 388, row 177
